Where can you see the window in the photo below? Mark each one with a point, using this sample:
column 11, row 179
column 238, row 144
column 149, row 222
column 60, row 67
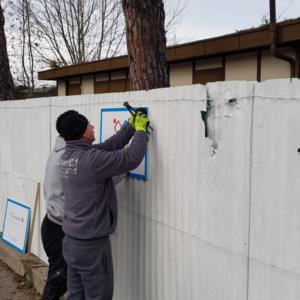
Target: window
column 208, row 70
column 74, row 86
column 101, row 84
column 111, row 82
column 118, row 81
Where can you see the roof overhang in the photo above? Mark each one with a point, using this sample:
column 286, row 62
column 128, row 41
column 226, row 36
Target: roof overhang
column 247, row 40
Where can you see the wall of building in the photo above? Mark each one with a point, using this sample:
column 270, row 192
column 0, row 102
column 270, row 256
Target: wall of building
column 241, row 67
column 181, row 74
column 273, row 68
column 219, row 216
column 87, row 85
column 247, row 66
column 61, row 88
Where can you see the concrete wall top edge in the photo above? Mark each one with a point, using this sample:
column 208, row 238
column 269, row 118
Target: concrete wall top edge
column 195, row 92
column 230, row 90
column 28, row 103
column 279, row 89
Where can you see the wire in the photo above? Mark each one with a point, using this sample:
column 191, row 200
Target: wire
column 285, row 9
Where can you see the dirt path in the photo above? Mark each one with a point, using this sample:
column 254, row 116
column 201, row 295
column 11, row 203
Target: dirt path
column 12, row 286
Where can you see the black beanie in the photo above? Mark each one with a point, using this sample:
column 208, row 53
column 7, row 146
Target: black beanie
column 73, row 126
column 61, row 117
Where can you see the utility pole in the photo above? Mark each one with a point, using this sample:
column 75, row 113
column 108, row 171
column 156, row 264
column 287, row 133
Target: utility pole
column 272, row 11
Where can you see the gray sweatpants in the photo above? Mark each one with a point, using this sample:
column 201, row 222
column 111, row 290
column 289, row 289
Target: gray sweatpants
column 90, row 268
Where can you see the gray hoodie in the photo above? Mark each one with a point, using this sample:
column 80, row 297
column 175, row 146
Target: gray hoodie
column 87, row 171
column 53, row 186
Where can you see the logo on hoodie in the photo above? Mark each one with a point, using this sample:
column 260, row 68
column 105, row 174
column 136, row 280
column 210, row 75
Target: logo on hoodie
column 69, row 166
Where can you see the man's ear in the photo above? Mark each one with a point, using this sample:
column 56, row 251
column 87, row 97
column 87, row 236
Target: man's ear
column 84, row 135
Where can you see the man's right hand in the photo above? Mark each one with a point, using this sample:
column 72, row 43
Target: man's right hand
column 131, row 121
column 141, row 122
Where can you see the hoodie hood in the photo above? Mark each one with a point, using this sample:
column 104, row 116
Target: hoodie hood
column 53, row 186
column 59, row 144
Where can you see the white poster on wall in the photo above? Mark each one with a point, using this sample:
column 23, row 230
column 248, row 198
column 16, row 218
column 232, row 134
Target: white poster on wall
column 16, row 225
column 111, row 121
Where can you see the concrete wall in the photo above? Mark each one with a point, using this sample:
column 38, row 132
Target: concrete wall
column 218, row 218
column 274, row 233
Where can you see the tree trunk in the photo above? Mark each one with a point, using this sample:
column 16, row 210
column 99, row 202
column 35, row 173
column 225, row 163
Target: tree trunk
column 6, row 82
column 146, row 43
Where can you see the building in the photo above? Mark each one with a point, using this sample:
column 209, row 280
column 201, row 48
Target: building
column 245, row 55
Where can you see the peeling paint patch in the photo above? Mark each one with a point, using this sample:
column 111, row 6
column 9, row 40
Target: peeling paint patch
column 207, row 117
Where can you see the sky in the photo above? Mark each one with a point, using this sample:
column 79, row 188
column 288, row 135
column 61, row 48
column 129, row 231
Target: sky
column 202, row 19
column 209, row 18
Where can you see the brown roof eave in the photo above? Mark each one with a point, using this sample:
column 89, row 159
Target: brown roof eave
column 85, row 68
column 257, row 38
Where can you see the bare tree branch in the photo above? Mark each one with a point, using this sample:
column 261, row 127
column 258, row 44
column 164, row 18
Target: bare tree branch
column 64, row 32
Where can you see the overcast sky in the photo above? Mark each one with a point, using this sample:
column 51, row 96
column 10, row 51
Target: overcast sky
column 209, row 18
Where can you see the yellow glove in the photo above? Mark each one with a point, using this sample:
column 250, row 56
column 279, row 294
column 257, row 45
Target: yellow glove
column 131, row 121
column 141, row 122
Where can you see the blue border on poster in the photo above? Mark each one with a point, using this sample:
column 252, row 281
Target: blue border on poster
column 130, row 174
column 20, row 250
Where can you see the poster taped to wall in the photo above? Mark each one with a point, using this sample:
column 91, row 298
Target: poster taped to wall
column 16, row 225
column 111, row 121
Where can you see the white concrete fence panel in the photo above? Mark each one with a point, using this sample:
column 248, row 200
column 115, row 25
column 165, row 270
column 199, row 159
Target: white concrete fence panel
column 218, row 218
column 275, row 201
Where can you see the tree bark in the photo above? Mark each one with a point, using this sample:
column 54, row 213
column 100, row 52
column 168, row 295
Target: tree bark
column 6, row 81
column 146, row 43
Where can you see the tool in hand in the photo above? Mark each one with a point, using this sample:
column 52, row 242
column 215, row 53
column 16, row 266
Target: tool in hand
column 134, row 111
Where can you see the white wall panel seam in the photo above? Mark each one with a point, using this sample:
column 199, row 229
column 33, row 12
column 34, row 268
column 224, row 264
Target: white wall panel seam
column 250, row 190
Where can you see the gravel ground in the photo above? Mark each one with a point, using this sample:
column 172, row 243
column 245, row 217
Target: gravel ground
column 12, row 286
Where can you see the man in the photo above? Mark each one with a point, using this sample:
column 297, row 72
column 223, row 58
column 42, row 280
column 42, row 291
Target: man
column 90, row 200
column 51, row 231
